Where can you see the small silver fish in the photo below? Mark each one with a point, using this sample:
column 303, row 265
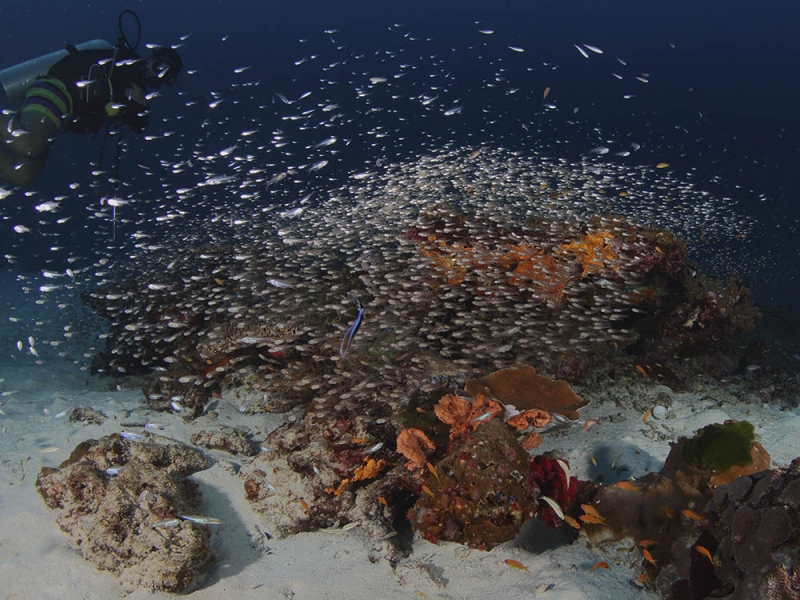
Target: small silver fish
column 201, row 520
column 280, row 284
column 482, row 417
column 166, row 523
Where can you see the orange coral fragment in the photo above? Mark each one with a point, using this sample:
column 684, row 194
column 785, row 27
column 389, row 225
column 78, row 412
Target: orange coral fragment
column 593, row 251
column 463, row 416
column 369, row 469
column 537, row 418
column 452, row 409
column 531, row 441
column 415, row 446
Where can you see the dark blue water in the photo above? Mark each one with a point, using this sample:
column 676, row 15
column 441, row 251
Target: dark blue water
column 720, row 105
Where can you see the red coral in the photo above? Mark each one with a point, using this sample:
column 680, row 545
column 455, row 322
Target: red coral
column 551, row 480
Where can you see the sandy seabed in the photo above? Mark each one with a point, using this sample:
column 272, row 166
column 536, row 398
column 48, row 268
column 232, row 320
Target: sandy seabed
column 36, row 560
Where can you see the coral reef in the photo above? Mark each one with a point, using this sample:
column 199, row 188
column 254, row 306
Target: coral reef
column 669, row 514
column 481, row 266
column 122, row 501
column 485, row 486
column 333, row 468
column 444, row 279
column 753, row 537
column 228, row 439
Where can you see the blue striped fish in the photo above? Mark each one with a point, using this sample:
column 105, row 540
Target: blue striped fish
column 347, row 338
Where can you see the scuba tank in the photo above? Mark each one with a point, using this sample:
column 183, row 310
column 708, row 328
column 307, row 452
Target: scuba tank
column 15, row 81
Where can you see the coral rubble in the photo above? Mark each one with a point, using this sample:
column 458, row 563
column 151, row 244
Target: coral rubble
column 121, row 503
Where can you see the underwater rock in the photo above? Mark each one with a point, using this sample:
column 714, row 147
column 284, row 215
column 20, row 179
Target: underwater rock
column 480, row 493
column 121, row 502
column 225, row 438
column 521, row 387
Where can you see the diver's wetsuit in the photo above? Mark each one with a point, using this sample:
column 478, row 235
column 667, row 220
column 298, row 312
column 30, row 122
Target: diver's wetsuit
column 79, row 96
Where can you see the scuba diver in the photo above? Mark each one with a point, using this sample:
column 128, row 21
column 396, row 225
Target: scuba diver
column 80, row 90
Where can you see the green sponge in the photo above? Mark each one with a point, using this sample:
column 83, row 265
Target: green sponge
column 721, row 446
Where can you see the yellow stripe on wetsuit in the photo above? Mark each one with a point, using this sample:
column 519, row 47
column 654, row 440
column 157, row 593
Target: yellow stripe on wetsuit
column 49, row 97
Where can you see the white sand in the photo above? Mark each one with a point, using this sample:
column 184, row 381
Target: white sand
column 36, row 560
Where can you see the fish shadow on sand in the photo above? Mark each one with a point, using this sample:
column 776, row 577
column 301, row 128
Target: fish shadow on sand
column 232, row 542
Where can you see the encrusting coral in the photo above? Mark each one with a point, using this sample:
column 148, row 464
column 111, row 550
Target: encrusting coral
column 480, row 495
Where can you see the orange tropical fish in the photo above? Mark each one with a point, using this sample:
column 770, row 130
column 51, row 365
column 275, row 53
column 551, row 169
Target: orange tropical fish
column 420, row 410
column 670, row 512
column 434, row 472
column 592, row 520
column 704, row 551
column 600, row 565
column 428, row 491
column 593, row 459
column 649, row 557
column 690, row 514
column 627, row 485
column 641, row 370
column 515, row 564
column 647, row 543
column 588, row 423
column 304, row 504
column 383, row 501
column 572, row 522
column 591, row 510
column 643, row 579
column 646, row 414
